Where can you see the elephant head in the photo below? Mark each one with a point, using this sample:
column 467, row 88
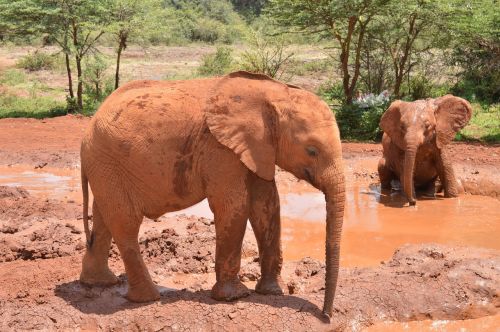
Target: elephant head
column 268, row 123
column 411, row 124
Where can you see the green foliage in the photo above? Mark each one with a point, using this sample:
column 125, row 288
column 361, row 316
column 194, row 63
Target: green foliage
column 476, row 49
column 12, row 77
column 480, row 78
column 183, row 21
column 12, row 106
column 36, row 61
column 484, row 125
column 311, row 67
column 218, row 63
column 267, row 55
column 420, row 87
column 359, row 120
column 98, row 84
column 250, row 9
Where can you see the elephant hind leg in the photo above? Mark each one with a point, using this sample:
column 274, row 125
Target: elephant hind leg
column 385, row 174
column 123, row 222
column 95, row 270
column 125, row 233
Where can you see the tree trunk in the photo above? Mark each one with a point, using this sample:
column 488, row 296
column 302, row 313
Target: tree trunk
column 70, row 79
column 79, row 90
column 122, row 43
column 397, row 85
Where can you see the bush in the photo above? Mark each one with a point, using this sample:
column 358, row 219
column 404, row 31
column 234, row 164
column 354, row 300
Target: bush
column 361, row 120
column 266, row 56
column 36, row 61
column 217, row 64
column 97, row 84
column 480, row 77
column 420, row 87
column 332, row 93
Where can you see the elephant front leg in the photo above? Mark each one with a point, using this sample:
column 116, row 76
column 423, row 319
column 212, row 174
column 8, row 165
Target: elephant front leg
column 266, row 224
column 446, row 174
column 230, row 224
column 385, row 174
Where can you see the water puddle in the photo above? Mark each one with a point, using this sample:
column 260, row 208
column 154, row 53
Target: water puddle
column 375, row 223
column 488, row 323
column 47, row 182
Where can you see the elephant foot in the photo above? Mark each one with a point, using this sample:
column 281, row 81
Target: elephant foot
column 143, row 294
column 229, row 290
column 269, row 287
column 98, row 277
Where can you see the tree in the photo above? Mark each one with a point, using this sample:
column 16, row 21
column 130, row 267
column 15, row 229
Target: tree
column 476, row 49
column 346, row 21
column 413, row 28
column 74, row 25
column 128, row 18
column 249, row 8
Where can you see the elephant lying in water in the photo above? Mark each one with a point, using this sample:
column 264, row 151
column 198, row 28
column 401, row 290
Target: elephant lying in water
column 155, row 147
column 414, row 140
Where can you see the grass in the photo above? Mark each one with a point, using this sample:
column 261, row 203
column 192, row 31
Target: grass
column 13, row 77
column 484, row 125
column 12, row 106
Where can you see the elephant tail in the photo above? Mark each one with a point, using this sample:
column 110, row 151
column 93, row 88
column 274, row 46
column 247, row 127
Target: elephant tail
column 85, row 191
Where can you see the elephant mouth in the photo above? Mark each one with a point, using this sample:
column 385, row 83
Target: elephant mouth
column 308, row 174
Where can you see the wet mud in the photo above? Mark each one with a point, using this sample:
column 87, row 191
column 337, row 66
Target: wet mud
column 433, row 266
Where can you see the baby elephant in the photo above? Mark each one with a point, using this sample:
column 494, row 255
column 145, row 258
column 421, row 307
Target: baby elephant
column 155, row 147
column 414, row 140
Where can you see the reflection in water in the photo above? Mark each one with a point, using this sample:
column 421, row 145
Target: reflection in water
column 376, row 223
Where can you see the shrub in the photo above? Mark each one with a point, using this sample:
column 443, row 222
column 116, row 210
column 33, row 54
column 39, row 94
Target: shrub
column 266, row 56
column 97, row 83
column 480, row 78
column 360, row 120
column 36, row 61
column 420, row 87
column 216, row 64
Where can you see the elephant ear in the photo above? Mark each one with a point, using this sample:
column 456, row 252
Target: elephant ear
column 242, row 114
column 452, row 114
column 390, row 123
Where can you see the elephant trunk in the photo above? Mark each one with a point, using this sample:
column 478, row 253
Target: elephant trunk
column 334, row 190
column 409, row 165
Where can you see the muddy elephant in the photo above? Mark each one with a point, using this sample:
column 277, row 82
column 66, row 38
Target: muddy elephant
column 414, row 140
column 154, row 147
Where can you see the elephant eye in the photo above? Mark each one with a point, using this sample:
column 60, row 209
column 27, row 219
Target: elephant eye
column 312, row 151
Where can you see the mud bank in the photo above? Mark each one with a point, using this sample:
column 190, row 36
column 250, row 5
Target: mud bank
column 425, row 281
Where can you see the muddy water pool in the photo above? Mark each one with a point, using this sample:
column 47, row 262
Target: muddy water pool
column 376, row 223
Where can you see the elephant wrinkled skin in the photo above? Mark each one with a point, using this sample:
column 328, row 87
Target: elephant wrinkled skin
column 414, row 140
column 155, row 147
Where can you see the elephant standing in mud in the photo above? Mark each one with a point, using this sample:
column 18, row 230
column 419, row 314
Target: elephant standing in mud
column 414, row 140
column 155, row 147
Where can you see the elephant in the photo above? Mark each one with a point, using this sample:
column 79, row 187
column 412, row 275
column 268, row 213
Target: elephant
column 160, row 146
column 414, row 144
